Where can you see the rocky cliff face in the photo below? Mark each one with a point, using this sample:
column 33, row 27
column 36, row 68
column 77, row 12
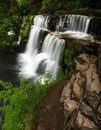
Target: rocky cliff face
column 80, row 97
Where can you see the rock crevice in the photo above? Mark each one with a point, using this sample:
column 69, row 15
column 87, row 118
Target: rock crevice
column 80, row 97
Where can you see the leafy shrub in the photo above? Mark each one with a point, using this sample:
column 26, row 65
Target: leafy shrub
column 76, row 4
column 17, row 102
column 20, row 104
column 50, row 6
column 26, row 24
column 11, row 28
column 8, row 32
column 71, row 51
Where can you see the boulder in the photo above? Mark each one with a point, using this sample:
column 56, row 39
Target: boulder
column 80, row 97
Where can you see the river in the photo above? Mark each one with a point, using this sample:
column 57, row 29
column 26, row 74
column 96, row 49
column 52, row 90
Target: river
column 8, row 69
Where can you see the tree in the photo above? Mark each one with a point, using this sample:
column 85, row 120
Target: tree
column 50, row 6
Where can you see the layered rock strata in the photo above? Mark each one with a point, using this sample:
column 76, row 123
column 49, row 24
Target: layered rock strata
column 81, row 96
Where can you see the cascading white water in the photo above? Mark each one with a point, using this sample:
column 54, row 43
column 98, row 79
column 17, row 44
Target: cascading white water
column 54, row 47
column 33, row 63
column 44, row 52
column 41, row 21
column 73, row 23
column 34, row 40
column 76, row 25
column 36, row 32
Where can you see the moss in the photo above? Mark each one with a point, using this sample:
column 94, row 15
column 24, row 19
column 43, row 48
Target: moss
column 71, row 51
column 27, row 22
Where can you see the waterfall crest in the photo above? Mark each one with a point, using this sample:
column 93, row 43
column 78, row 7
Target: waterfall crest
column 34, row 62
column 41, row 21
column 76, row 25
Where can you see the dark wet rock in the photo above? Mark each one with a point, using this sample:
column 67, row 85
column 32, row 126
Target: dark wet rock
column 85, row 128
column 95, row 27
column 80, row 96
column 99, row 62
column 87, row 111
column 53, row 21
column 93, row 99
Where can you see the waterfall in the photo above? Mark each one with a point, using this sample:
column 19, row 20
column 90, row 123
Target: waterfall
column 73, row 23
column 76, row 25
column 37, row 33
column 43, row 53
column 54, row 47
column 41, row 21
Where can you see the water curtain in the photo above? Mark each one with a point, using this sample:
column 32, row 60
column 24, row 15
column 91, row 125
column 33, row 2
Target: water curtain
column 43, row 53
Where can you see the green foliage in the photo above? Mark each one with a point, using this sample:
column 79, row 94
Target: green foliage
column 8, row 7
column 71, row 51
column 44, row 84
column 11, row 28
column 82, row 3
column 50, row 6
column 72, row 4
column 76, row 4
column 16, row 103
column 21, row 103
column 8, row 32
column 22, row 3
column 27, row 7
column 13, row 13
column 26, row 24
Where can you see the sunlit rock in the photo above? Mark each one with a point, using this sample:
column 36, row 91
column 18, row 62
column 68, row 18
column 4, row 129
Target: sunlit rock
column 80, row 97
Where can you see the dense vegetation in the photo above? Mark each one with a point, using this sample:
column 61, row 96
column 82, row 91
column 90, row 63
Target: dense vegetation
column 19, row 104
column 72, row 50
column 14, row 13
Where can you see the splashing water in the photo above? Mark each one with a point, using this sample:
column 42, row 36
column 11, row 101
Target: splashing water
column 75, row 25
column 34, row 62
